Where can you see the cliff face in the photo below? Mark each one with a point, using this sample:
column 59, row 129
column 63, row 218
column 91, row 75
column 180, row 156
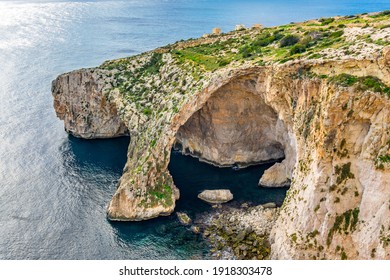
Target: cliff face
column 85, row 110
column 338, row 205
column 328, row 118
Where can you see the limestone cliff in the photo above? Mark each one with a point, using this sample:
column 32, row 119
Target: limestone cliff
column 87, row 113
column 316, row 94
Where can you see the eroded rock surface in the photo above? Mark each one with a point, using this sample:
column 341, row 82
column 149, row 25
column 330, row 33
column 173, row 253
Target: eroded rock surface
column 235, row 126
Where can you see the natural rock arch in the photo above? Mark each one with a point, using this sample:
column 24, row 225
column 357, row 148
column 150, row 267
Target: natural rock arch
column 335, row 173
column 230, row 122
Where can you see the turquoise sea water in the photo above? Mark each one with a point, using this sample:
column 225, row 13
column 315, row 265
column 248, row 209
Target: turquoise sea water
column 54, row 188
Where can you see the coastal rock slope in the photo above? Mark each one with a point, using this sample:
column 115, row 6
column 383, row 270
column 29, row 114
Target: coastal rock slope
column 315, row 95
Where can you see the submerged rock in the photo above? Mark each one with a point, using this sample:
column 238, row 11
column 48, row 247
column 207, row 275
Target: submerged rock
column 195, row 229
column 216, row 196
column 183, row 218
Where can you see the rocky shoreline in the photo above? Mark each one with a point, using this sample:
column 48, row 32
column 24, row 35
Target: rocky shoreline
column 237, row 232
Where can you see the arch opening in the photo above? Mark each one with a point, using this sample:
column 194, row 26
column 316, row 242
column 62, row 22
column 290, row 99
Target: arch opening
column 235, row 127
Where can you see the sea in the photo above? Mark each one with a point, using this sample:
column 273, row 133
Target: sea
column 54, row 188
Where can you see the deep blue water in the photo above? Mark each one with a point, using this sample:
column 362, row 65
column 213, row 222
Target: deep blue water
column 197, row 176
column 54, row 188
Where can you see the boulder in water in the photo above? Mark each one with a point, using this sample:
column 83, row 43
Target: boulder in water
column 216, row 196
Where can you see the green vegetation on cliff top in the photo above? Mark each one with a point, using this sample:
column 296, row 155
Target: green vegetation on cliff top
column 278, row 44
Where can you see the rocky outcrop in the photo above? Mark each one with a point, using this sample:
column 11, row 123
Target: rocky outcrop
column 86, row 111
column 328, row 118
column 276, row 176
column 239, row 233
column 216, row 196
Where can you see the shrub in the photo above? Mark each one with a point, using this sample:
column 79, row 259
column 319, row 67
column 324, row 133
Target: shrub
column 385, row 158
column 344, row 79
column 384, row 13
column 289, row 40
column 298, row 48
column 364, row 83
column 153, row 66
column 309, row 41
column 223, row 62
column 337, row 34
column 326, row 21
column 374, row 84
column 264, row 39
column 246, row 51
column 344, row 173
column 147, row 111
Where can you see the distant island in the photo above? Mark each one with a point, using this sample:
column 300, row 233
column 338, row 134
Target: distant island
column 313, row 95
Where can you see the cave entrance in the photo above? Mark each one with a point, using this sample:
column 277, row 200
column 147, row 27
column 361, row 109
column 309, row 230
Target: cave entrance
column 234, row 128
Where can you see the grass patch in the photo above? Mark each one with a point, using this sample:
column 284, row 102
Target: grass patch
column 160, row 194
column 210, row 63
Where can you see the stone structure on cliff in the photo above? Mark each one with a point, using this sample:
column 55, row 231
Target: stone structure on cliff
column 320, row 103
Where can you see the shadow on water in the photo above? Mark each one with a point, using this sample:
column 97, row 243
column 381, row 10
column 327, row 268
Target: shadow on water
column 103, row 154
column 92, row 168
